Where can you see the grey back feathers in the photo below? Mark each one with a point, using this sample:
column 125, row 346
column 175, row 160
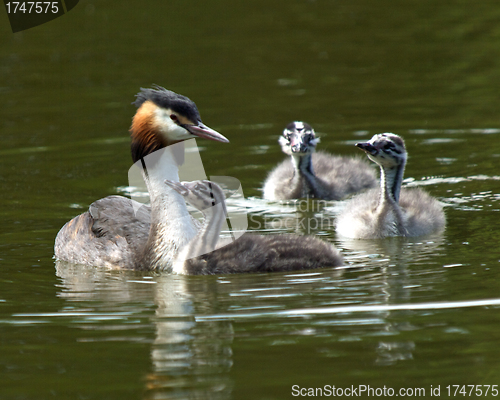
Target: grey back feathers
column 269, row 253
column 420, row 214
column 111, row 234
column 307, row 173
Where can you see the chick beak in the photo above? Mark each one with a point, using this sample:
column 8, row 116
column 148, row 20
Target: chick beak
column 296, row 145
column 368, row 148
column 177, row 186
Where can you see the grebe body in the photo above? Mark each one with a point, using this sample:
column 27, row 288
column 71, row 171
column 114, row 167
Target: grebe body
column 390, row 210
column 117, row 232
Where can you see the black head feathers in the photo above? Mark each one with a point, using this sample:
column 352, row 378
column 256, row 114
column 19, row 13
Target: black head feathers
column 299, row 125
column 167, row 99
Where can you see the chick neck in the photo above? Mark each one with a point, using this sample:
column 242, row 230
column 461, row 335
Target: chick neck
column 205, row 240
column 391, row 179
column 304, row 175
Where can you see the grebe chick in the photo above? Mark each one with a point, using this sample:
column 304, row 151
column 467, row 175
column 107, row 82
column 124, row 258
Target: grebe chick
column 389, row 210
column 307, row 173
column 208, row 198
column 111, row 233
column 248, row 253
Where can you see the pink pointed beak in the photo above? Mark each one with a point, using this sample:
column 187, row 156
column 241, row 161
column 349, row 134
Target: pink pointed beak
column 203, row 131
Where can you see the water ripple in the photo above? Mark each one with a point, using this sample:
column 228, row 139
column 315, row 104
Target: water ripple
column 352, row 309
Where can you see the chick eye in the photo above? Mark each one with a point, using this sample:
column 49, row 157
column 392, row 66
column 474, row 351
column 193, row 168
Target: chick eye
column 287, row 135
column 388, row 146
column 174, row 117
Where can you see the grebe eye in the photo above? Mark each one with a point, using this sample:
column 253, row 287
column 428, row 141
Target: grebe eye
column 388, row 146
column 174, row 117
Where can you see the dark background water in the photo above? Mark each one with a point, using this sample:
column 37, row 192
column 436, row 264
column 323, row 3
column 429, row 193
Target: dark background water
column 403, row 313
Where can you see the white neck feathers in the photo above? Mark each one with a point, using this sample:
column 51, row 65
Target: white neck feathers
column 172, row 226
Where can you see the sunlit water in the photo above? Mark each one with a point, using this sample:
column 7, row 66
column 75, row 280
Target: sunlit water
column 416, row 313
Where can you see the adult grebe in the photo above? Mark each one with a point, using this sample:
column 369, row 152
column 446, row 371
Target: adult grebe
column 389, row 210
column 248, row 253
column 116, row 231
column 307, row 173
